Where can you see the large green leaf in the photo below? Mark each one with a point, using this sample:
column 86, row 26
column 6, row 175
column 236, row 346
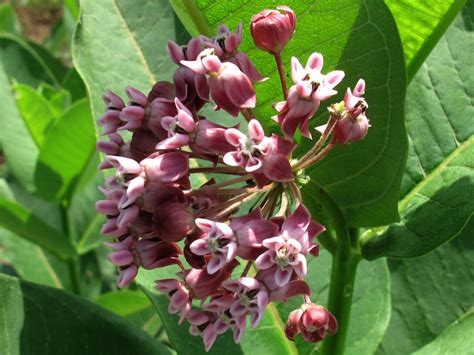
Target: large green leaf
column 32, row 263
column 67, row 150
column 267, row 338
column 119, row 43
column 84, row 221
column 42, row 320
column 421, row 25
column 8, row 20
column 36, row 112
column 361, row 38
column 456, row 339
column 21, row 221
column 429, row 293
column 370, row 312
column 133, row 305
column 19, row 147
column 438, row 186
column 23, row 62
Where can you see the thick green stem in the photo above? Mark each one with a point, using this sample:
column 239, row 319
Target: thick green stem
column 73, row 266
column 341, row 289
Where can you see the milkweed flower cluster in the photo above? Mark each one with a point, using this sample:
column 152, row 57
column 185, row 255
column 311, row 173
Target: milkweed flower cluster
column 241, row 240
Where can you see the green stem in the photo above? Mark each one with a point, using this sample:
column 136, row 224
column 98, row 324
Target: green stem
column 72, row 263
column 344, row 267
column 341, row 290
column 73, row 266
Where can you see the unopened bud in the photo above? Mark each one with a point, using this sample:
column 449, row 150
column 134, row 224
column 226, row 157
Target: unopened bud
column 272, row 29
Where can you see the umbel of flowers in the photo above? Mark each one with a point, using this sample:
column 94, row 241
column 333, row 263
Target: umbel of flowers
column 241, row 240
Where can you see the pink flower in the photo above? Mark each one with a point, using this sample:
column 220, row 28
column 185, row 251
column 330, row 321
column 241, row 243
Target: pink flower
column 191, row 88
column 210, row 138
column 250, row 231
column 271, row 29
column 125, row 259
column 201, row 325
column 163, row 168
column 251, row 297
column 218, row 240
column 179, row 294
column 178, row 127
column 353, row 125
column 224, row 319
column 311, row 87
column 204, row 284
column 130, row 254
column 257, row 153
column 301, row 227
column 285, row 254
column 134, row 112
column 173, row 221
column 229, row 41
column 230, row 89
column 314, row 322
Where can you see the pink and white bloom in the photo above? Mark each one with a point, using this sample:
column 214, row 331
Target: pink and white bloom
column 201, row 324
column 177, row 127
column 259, row 154
column 286, row 256
column 250, row 297
column 230, row 89
column 311, row 87
column 353, row 125
column 220, row 307
column 179, row 294
column 218, row 240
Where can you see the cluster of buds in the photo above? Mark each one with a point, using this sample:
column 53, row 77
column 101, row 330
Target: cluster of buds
column 250, row 221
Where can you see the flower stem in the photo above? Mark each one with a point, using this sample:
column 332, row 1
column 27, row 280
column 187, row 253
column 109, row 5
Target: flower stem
column 247, row 113
column 341, row 290
column 247, row 268
column 73, row 266
column 219, row 170
column 227, row 183
column 329, row 127
column 318, row 156
column 281, row 72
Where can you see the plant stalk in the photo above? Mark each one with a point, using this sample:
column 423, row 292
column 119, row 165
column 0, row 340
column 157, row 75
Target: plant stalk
column 281, row 72
column 341, row 290
column 73, row 266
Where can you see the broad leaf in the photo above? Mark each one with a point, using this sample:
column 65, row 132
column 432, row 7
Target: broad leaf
column 73, row 83
column 268, row 335
column 84, row 221
column 121, row 43
column 370, row 312
column 438, row 186
column 67, row 150
column 456, row 339
column 421, row 25
column 362, row 178
column 19, row 147
column 42, row 320
column 133, row 305
column 22, row 62
column 8, row 19
column 32, row 263
column 21, row 221
column 429, row 293
column 36, row 112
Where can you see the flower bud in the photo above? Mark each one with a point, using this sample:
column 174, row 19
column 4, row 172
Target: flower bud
column 312, row 321
column 272, row 29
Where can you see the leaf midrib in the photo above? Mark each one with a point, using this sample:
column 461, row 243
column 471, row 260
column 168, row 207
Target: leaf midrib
column 435, row 172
